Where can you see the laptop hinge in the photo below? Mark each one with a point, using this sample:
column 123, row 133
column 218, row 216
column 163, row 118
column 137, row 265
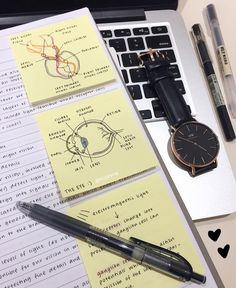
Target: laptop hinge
column 118, row 15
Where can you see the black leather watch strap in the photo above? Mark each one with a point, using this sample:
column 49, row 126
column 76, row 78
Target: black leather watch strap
column 201, row 170
column 174, row 105
column 198, row 170
column 172, row 100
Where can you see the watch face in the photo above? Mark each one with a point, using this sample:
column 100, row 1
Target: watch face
column 195, row 144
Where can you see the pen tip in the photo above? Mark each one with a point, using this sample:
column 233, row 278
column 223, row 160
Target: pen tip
column 196, row 29
column 198, row 278
column 24, row 207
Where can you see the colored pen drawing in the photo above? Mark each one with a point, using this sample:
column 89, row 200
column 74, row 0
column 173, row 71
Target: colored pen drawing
column 61, row 59
column 57, row 62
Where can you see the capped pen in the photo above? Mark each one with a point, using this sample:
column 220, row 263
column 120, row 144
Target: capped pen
column 223, row 59
column 213, row 84
column 144, row 253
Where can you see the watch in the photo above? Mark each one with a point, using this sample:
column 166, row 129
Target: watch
column 194, row 145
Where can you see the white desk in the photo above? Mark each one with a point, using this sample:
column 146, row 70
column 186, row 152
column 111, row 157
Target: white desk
column 192, row 12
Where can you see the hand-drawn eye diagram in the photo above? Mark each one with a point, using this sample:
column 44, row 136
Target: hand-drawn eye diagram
column 92, row 139
column 57, row 62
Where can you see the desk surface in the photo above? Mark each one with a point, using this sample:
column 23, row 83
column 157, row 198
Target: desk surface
column 219, row 234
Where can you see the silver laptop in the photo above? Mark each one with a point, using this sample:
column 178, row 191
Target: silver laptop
column 130, row 27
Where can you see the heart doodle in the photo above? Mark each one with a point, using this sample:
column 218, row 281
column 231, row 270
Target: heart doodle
column 224, row 251
column 214, row 235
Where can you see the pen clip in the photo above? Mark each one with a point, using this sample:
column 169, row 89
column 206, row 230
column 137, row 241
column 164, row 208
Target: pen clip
column 173, row 255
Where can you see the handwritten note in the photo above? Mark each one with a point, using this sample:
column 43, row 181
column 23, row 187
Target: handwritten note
column 60, row 59
column 94, row 142
column 143, row 210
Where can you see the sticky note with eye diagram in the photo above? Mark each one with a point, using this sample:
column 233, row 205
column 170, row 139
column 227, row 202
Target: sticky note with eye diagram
column 91, row 145
column 60, row 59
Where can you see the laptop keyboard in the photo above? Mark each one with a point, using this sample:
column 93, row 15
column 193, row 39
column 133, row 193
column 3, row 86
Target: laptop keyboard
column 128, row 44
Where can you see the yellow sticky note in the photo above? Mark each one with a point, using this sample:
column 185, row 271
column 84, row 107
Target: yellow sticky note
column 143, row 210
column 60, row 59
column 95, row 142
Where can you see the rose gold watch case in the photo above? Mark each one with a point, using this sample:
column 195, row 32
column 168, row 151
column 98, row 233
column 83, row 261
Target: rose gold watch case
column 177, row 156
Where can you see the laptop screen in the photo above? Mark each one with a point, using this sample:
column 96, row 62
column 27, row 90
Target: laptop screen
column 28, row 6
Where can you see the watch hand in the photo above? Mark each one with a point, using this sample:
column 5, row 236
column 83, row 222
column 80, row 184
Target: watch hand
column 200, row 147
column 187, row 140
column 190, row 141
column 195, row 143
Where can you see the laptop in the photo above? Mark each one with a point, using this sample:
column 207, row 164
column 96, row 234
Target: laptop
column 128, row 28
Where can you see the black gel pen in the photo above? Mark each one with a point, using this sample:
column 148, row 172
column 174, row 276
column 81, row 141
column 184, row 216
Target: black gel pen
column 213, row 83
column 152, row 256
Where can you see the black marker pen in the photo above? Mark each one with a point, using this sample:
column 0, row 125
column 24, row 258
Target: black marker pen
column 213, row 83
